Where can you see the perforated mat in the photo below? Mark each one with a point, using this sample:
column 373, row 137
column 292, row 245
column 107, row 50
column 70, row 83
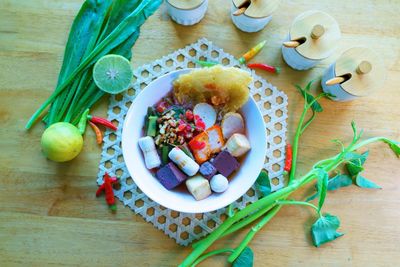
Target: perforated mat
column 184, row 227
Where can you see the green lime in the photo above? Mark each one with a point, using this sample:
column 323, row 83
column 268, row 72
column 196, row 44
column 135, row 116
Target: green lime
column 112, row 74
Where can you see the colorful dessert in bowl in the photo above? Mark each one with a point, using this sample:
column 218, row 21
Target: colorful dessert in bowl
column 193, row 140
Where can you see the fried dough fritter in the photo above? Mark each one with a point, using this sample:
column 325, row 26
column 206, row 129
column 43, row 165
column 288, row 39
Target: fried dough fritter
column 221, row 86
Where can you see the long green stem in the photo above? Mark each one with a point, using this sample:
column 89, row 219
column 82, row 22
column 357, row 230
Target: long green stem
column 296, row 145
column 252, row 233
column 265, row 201
column 300, row 129
column 308, row 122
column 211, row 253
column 83, row 84
column 67, row 101
column 301, row 203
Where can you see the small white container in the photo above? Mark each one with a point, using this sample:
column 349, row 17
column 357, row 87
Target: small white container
column 317, row 34
column 363, row 73
column 255, row 17
column 187, row 12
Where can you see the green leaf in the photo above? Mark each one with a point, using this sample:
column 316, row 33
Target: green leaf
column 365, row 183
column 324, row 229
column 263, row 184
column 355, row 162
column 120, row 34
column 245, row 258
column 322, row 186
column 83, row 34
column 394, row 145
column 82, row 38
column 340, row 180
column 309, row 97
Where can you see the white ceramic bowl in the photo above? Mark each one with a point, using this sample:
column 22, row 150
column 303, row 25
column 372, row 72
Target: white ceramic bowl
column 243, row 179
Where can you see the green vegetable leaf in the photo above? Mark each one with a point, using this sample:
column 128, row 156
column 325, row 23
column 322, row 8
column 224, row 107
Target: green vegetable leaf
column 340, row 180
column 125, row 29
column 394, row 145
column 322, row 186
column 355, row 162
column 245, row 258
column 365, row 183
column 263, row 184
column 324, row 229
column 309, row 97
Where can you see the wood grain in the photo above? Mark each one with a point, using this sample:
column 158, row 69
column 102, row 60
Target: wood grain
column 49, row 214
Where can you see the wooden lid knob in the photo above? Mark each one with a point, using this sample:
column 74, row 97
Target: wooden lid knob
column 317, row 31
column 315, row 25
column 364, row 67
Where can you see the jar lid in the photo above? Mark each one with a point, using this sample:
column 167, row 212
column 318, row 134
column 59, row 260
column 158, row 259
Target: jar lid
column 364, row 68
column 185, row 4
column 317, row 32
column 257, row 8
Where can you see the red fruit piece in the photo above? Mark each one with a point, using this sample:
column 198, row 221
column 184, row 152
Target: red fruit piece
column 197, row 145
column 189, row 115
column 161, row 106
column 181, row 127
column 200, row 124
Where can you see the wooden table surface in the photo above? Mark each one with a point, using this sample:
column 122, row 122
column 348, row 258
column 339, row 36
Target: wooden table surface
column 49, row 214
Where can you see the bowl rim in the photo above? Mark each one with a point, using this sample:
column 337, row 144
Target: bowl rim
column 158, row 199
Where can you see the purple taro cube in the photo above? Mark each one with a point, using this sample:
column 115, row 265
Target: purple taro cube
column 208, row 170
column 170, row 176
column 225, row 163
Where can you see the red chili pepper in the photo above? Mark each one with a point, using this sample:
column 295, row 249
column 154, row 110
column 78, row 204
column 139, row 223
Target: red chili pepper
column 102, row 121
column 288, row 160
column 107, row 179
column 96, row 130
column 110, row 199
column 265, row 67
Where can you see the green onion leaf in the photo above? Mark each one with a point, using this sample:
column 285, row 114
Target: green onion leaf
column 324, row 229
column 245, row 258
column 365, row 183
column 322, row 186
column 263, row 184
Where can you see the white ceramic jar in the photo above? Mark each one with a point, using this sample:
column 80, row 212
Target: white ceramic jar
column 255, row 17
column 356, row 73
column 315, row 35
column 187, row 12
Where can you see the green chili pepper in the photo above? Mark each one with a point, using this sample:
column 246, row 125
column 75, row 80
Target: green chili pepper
column 83, row 121
column 206, row 63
